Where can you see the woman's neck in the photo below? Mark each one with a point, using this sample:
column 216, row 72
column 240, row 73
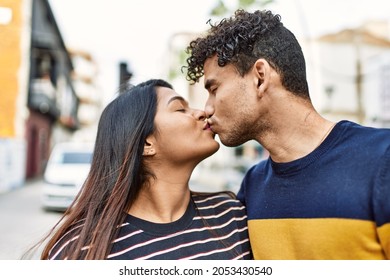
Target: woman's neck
column 165, row 199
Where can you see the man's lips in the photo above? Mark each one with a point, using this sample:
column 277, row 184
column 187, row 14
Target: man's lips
column 209, row 128
column 206, row 126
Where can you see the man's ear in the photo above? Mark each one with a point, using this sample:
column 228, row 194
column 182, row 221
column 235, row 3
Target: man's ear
column 262, row 71
column 149, row 149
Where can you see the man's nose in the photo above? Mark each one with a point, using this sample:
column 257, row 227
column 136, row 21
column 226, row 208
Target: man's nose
column 209, row 109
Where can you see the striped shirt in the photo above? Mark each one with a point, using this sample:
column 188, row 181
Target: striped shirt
column 214, row 226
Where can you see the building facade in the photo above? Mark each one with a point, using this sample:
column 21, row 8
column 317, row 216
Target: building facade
column 85, row 82
column 37, row 93
column 348, row 74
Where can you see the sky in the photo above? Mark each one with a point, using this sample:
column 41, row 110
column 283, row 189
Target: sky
column 138, row 31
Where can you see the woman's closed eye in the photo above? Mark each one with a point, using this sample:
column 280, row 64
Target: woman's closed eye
column 178, row 104
column 180, row 107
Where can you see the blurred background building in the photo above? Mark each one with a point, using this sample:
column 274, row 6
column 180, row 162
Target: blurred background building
column 352, row 68
column 41, row 98
column 84, row 79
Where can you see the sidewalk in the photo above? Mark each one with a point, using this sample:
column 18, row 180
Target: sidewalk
column 23, row 221
column 30, row 183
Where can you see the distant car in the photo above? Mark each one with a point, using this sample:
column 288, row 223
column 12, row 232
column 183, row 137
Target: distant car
column 65, row 173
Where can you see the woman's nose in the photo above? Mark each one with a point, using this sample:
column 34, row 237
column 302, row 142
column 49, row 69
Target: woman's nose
column 200, row 115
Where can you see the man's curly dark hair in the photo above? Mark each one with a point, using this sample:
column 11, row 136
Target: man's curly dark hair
column 246, row 37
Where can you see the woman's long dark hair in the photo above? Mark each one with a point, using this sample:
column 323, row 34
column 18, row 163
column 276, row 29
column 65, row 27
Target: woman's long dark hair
column 116, row 176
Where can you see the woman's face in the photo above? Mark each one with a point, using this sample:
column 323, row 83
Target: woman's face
column 182, row 134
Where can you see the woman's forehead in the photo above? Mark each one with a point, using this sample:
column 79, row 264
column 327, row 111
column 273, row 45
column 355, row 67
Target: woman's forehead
column 166, row 95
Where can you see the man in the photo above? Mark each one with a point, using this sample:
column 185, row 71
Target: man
column 324, row 192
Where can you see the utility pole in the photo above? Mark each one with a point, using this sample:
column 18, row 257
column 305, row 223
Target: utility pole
column 124, row 76
column 359, row 79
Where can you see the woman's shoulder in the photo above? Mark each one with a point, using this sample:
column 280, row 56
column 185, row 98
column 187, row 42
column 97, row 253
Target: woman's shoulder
column 225, row 198
column 222, row 195
column 60, row 248
column 219, row 208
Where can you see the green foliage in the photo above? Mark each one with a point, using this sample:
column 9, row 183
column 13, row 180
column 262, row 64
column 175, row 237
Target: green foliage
column 221, row 9
column 181, row 60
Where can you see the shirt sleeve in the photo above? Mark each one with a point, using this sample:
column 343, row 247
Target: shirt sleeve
column 382, row 204
column 241, row 193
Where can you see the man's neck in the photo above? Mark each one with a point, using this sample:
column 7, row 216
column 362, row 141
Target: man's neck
column 297, row 135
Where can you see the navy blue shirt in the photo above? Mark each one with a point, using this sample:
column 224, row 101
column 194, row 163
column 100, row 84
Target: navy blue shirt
column 313, row 203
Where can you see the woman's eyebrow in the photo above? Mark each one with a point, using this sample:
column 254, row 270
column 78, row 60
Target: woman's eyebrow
column 177, row 97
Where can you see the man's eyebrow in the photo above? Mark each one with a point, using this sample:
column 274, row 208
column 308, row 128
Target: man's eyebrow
column 177, row 97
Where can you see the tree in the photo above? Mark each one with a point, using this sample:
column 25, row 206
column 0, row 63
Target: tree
column 221, row 9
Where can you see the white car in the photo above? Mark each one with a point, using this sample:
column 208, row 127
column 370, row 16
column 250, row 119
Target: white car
column 65, row 173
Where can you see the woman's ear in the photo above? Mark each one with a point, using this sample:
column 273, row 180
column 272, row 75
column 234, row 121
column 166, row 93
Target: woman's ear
column 149, row 149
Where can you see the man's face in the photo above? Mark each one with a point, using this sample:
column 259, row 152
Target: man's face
column 231, row 104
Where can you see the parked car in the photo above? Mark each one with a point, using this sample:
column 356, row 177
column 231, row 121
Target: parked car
column 65, row 173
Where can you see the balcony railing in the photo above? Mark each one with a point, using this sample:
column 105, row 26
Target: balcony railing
column 43, row 98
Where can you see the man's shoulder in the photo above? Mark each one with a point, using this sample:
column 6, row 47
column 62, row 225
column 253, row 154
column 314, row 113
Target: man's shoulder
column 369, row 135
column 258, row 167
column 369, row 129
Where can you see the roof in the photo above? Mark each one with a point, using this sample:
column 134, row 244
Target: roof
column 355, row 35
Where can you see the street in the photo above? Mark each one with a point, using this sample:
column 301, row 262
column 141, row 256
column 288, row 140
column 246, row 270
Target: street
column 23, row 221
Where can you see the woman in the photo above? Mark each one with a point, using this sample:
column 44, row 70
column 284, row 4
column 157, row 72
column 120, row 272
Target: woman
column 136, row 202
